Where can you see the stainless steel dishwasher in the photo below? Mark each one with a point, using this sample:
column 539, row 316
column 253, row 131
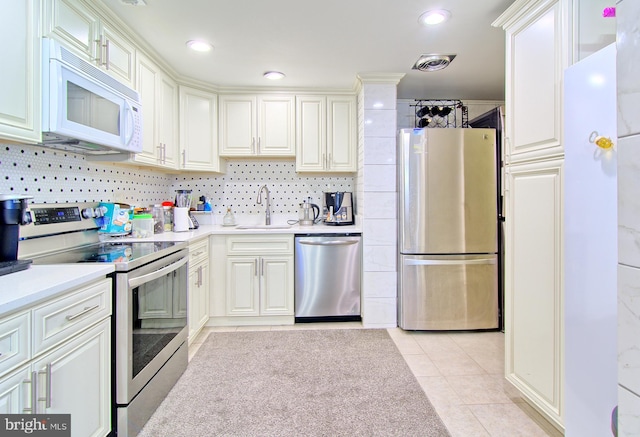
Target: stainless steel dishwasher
column 327, row 277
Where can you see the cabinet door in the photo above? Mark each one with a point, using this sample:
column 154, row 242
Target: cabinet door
column 148, row 80
column 237, row 125
column 15, row 392
column 198, row 132
column 20, row 82
column 167, row 123
column 535, row 55
column 118, row 56
column 198, row 299
column 533, row 283
column 341, row 134
column 72, row 24
column 276, row 285
column 310, row 133
column 276, row 124
column 242, row 286
column 76, row 379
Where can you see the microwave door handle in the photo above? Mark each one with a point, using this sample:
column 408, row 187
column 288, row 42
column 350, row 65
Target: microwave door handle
column 130, row 121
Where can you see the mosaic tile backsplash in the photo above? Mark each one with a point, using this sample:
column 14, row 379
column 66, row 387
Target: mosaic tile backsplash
column 55, row 176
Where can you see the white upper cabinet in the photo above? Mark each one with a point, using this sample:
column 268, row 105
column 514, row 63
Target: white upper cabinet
column 20, row 84
column 198, row 130
column 326, row 134
column 535, row 56
column 256, row 125
column 159, row 96
column 79, row 28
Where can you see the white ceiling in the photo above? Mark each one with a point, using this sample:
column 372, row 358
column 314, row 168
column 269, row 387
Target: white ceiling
column 327, row 43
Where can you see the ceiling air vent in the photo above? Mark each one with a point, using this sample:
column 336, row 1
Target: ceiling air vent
column 433, row 62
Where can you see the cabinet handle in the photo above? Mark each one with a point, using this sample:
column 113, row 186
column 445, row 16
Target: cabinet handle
column 261, row 266
column 47, row 384
column 34, row 393
column 83, row 312
column 253, row 144
column 200, row 276
column 198, row 253
column 98, row 58
column 159, row 147
column 258, row 145
column 255, row 267
column 184, row 158
column 106, row 51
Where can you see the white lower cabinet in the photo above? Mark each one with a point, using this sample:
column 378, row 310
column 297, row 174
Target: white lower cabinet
column 259, row 285
column 75, row 379
column 69, row 369
column 199, row 284
column 534, row 322
column 252, row 280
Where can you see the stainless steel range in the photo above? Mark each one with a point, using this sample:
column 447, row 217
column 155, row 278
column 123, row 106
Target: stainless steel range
column 149, row 309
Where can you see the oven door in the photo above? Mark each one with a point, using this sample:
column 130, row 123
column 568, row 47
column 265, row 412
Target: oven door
column 151, row 321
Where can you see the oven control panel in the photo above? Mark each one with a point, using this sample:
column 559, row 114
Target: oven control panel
column 57, row 218
column 45, row 216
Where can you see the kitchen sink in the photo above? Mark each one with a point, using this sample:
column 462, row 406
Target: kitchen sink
column 263, row 227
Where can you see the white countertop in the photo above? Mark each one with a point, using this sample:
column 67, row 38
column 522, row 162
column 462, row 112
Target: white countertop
column 206, row 230
column 41, row 282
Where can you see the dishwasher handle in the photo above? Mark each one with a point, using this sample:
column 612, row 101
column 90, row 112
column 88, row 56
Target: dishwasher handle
column 329, row 242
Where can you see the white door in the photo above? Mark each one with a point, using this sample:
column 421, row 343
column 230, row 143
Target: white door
column 591, row 236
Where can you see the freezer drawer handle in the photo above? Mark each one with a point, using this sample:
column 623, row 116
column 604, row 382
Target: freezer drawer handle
column 329, row 243
column 438, row 262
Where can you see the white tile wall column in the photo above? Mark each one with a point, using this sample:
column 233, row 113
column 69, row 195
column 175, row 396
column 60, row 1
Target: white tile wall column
column 378, row 199
column 628, row 72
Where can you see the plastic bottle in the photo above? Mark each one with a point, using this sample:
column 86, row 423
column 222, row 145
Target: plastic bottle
column 158, row 219
column 229, row 219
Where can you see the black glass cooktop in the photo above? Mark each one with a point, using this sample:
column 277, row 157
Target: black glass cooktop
column 125, row 255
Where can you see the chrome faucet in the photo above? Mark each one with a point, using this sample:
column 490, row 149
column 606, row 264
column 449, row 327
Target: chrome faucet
column 267, row 212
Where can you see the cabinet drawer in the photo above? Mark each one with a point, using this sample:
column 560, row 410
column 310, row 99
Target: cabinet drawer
column 252, row 245
column 14, row 341
column 198, row 251
column 56, row 321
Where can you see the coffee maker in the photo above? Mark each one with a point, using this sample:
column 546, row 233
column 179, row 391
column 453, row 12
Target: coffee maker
column 337, row 208
column 13, row 213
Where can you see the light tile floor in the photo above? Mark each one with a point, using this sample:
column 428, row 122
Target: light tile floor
column 461, row 373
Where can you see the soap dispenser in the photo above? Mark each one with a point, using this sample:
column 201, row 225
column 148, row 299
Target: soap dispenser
column 229, row 219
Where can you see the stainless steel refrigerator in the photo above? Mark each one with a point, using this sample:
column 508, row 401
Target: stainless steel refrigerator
column 448, row 221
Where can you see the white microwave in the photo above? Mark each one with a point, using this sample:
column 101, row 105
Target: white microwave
column 84, row 109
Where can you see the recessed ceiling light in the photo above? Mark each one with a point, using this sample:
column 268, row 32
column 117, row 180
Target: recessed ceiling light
column 273, row 75
column 199, row 46
column 435, row 16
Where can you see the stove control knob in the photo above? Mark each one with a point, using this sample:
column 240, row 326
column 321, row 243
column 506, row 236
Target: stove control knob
column 88, row 213
column 92, row 213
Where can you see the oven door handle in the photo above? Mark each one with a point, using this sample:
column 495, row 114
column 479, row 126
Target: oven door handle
column 134, row 282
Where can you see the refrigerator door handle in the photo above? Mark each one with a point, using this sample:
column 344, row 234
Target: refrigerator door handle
column 439, row 262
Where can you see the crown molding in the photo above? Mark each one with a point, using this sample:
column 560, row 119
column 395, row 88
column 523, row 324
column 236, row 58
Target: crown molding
column 388, row 78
